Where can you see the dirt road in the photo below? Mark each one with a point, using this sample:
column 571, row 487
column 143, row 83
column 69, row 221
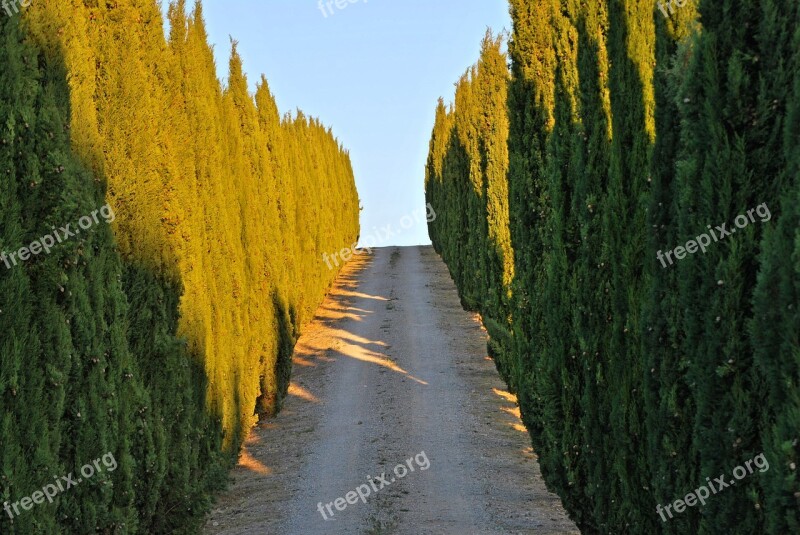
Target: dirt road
column 391, row 372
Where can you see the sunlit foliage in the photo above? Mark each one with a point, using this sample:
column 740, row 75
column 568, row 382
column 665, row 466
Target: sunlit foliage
column 163, row 337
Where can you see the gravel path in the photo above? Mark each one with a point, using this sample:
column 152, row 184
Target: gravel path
column 391, row 388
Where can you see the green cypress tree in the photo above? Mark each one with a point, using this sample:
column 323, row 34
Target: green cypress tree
column 776, row 309
column 19, row 334
column 669, row 407
column 731, row 161
column 531, row 111
column 64, row 411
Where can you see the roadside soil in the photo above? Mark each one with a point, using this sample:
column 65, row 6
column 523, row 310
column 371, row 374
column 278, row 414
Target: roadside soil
column 392, row 371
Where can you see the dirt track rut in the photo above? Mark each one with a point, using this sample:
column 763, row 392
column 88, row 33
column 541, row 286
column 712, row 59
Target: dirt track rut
column 390, row 368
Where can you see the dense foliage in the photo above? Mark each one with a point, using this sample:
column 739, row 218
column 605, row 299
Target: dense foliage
column 466, row 174
column 161, row 338
column 630, row 133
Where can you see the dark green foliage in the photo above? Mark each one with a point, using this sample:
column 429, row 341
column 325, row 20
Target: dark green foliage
column 466, row 185
column 735, row 102
column 667, row 403
column 63, row 336
column 775, row 327
column 629, row 134
column 180, row 461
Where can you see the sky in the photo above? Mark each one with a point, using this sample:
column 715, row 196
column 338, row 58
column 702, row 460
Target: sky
column 373, row 71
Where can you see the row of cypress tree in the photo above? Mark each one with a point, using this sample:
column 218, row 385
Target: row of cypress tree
column 466, row 174
column 628, row 133
column 163, row 338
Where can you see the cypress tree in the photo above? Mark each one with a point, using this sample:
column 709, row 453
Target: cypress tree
column 669, row 408
column 731, row 160
column 776, row 321
column 468, row 163
column 63, row 398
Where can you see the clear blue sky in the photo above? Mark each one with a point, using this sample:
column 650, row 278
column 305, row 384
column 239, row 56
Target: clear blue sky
column 373, row 71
